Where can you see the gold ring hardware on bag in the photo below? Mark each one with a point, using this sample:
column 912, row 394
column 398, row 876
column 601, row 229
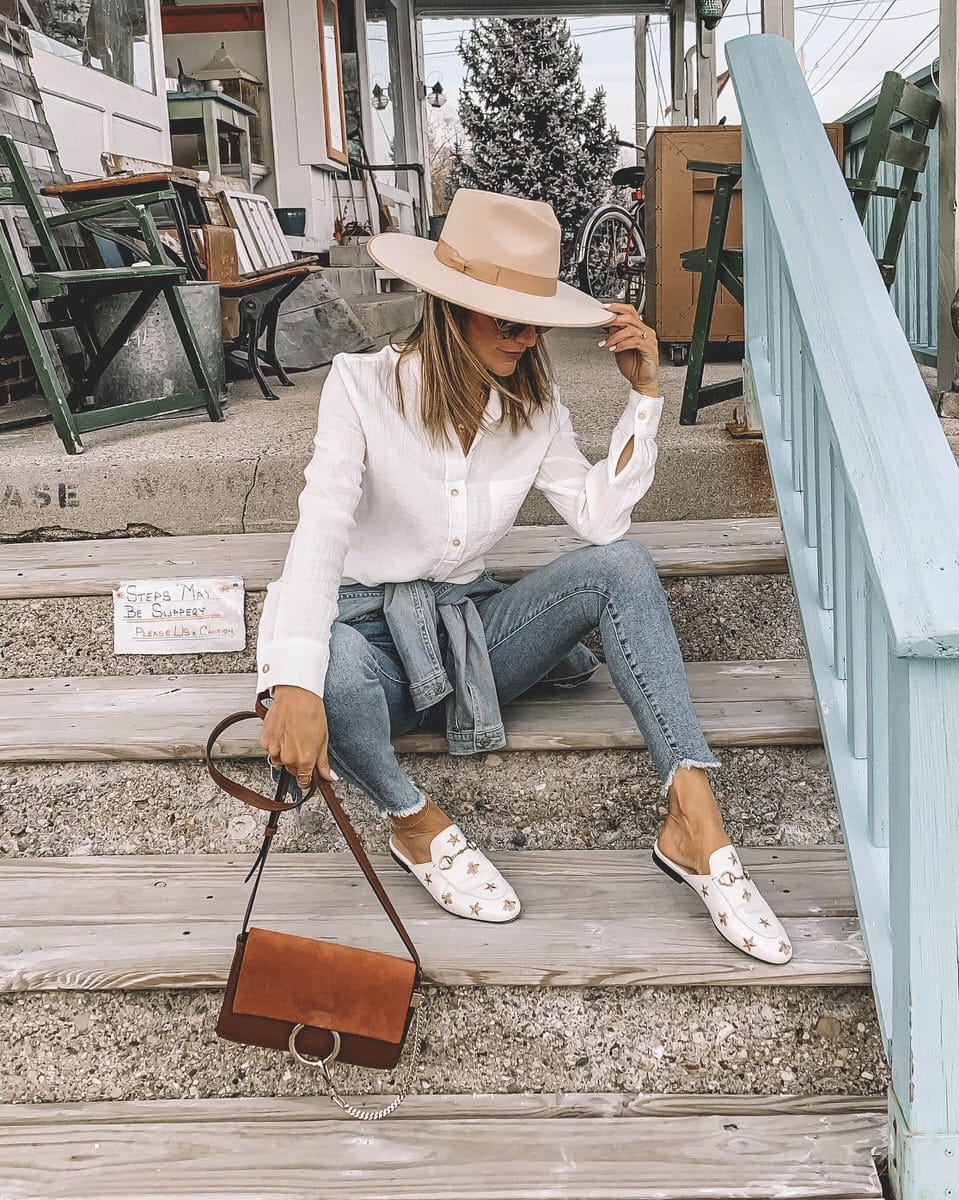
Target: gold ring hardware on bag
column 307, row 1060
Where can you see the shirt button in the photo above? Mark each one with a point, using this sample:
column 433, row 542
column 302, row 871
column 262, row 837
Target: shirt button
column 266, row 667
column 642, row 416
column 456, row 541
column 455, row 492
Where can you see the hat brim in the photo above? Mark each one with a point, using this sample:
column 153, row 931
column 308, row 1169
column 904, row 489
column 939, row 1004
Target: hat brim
column 413, row 259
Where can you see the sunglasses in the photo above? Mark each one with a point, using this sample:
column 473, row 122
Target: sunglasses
column 511, row 329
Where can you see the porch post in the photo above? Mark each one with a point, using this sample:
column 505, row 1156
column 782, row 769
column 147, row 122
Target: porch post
column 409, row 121
column 948, row 376
column 677, row 61
column 779, row 16
column 706, row 86
column 640, row 23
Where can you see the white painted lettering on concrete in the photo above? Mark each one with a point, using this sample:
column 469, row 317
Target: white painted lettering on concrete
column 178, row 616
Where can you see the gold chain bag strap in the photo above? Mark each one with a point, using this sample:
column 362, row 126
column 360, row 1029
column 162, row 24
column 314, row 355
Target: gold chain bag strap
column 324, row 1002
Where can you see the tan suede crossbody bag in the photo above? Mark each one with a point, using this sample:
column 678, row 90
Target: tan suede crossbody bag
column 324, row 1002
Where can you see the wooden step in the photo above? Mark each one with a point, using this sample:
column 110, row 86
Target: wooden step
column 589, row 1147
column 94, row 568
column 589, row 918
column 170, row 716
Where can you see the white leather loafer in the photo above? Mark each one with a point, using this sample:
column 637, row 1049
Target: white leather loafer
column 461, row 879
column 738, row 911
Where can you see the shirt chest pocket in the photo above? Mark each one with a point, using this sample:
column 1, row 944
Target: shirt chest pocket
column 506, row 497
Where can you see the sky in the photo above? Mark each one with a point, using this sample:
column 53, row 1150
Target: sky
column 844, row 45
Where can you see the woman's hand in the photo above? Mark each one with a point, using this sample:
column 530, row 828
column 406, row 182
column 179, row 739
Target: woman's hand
column 636, row 348
column 295, row 733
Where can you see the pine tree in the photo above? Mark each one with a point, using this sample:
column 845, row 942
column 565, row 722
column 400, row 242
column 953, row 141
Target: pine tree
column 530, row 128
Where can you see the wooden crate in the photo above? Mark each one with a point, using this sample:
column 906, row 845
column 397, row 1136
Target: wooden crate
column 678, row 204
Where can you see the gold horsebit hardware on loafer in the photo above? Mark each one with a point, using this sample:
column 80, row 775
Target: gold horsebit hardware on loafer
column 727, row 878
column 447, row 860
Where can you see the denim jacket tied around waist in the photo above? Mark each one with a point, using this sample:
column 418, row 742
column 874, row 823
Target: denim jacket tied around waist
column 414, row 613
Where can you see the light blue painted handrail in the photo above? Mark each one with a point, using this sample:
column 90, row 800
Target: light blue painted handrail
column 868, row 495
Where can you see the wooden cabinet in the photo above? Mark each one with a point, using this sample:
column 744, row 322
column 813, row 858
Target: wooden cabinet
column 678, row 204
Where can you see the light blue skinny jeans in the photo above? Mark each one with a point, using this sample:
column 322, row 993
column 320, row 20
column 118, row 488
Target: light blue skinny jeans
column 531, row 625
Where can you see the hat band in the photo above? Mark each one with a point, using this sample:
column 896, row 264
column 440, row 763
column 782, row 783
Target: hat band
column 487, row 272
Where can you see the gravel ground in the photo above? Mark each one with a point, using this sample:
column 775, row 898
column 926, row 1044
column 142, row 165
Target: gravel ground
column 525, row 800
column 74, row 1046
column 716, row 617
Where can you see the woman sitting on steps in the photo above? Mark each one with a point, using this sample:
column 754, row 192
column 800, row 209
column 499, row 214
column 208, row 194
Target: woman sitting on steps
column 383, row 620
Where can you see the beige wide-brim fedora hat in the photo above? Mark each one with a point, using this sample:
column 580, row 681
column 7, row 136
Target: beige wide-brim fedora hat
column 497, row 255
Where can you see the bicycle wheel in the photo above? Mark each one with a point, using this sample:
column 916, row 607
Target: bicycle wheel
column 608, row 243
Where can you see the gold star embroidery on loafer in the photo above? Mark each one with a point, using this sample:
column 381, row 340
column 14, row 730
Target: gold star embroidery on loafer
column 509, row 905
column 447, row 897
column 491, row 887
column 476, row 908
column 724, row 919
column 453, row 839
column 784, row 947
column 428, row 877
column 766, row 924
column 705, row 890
column 749, row 943
column 472, row 869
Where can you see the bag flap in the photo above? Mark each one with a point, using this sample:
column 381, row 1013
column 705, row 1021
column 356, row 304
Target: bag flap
column 310, row 982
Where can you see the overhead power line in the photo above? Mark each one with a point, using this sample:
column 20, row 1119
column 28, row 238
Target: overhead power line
column 869, row 33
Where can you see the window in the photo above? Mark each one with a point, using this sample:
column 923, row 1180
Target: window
column 334, row 108
column 112, row 36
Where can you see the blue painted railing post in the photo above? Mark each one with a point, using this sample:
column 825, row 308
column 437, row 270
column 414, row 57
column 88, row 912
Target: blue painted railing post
column 924, row 814
column 868, row 496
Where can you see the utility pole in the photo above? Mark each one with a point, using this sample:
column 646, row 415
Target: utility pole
column 779, row 16
column 948, row 369
column 640, row 22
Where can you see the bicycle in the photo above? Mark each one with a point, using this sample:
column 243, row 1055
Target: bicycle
column 611, row 244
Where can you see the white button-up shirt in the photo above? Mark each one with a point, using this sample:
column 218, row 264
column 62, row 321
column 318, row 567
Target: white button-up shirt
column 385, row 504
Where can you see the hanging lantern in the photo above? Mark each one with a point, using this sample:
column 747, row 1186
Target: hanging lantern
column 381, row 96
column 709, row 12
column 437, row 97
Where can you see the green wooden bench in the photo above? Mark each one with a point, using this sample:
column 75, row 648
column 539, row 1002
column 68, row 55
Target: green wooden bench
column 68, row 297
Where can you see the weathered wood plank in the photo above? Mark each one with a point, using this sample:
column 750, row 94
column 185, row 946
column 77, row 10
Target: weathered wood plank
column 136, row 889
column 600, row 918
column 170, row 716
column 283, row 1109
column 826, row 1156
column 91, row 568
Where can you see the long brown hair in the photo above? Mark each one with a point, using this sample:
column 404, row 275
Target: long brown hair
column 449, row 394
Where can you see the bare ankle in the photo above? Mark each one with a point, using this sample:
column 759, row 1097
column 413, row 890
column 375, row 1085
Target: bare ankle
column 416, row 831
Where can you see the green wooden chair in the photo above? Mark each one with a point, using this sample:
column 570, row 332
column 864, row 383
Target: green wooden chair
column 66, row 297
column 717, row 265
column 899, row 102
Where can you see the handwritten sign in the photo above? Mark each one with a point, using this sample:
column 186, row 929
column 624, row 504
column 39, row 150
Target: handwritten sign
column 178, row 616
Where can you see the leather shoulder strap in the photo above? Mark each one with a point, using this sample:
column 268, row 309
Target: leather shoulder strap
column 277, row 806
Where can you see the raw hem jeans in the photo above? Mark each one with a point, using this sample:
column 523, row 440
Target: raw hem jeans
column 531, row 625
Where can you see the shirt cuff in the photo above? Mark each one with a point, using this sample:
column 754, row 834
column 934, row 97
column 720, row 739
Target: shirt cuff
column 296, row 662
column 647, row 413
